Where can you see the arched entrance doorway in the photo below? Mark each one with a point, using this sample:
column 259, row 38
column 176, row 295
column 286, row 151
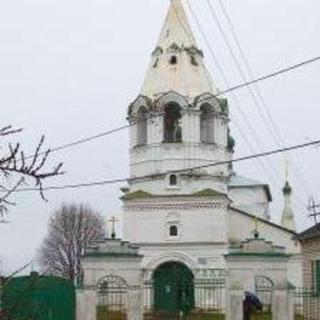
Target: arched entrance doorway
column 173, row 288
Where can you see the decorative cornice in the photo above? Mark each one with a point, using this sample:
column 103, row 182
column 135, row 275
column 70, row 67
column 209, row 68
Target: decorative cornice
column 185, row 206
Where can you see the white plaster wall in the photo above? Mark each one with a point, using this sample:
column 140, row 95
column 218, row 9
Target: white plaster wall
column 251, row 199
column 95, row 269
column 241, row 227
column 295, row 270
column 243, row 270
column 199, row 257
column 186, row 185
column 159, row 158
column 195, row 224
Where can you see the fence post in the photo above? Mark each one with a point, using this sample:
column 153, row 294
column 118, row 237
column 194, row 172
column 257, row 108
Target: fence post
column 135, row 304
column 1, row 288
column 234, row 304
column 280, row 305
column 291, row 298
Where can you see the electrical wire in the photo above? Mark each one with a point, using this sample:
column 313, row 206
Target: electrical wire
column 254, row 89
column 213, row 164
column 299, row 176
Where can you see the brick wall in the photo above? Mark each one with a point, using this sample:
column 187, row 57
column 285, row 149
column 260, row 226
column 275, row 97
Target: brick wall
column 311, row 252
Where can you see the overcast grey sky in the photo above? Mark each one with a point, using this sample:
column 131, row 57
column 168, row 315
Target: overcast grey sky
column 69, row 69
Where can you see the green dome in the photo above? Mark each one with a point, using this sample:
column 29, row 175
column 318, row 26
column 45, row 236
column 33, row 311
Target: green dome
column 287, row 189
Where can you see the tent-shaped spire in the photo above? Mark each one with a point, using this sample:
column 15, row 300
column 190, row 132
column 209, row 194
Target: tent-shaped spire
column 177, row 64
column 176, row 28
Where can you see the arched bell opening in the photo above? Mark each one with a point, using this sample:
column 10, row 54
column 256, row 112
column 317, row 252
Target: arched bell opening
column 207, row 123
column 142, row 126
column 172, row 123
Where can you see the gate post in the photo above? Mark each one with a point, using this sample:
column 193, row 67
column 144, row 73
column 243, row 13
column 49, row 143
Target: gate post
column 234, row 304
column 86, row 304
column 291, row 297
column 280, row 306
column 135, row 303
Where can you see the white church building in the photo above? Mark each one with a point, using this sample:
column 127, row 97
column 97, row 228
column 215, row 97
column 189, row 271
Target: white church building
column 185, row 209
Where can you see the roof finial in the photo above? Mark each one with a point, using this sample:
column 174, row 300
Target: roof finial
column 256, row 231
column 287, row 220
column 113, row 220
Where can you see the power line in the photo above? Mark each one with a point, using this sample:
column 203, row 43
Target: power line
column 85, row 140
column 275, row 132
column 229, row 89
column 248, row 83
column 218, row 163
column 261, row 107
column 267, row 169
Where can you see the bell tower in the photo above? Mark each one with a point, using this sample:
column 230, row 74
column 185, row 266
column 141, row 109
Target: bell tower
column 178, row 123
column 177, row 120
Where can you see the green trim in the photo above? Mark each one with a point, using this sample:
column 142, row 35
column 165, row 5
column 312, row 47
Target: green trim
column 146, row 195
column 112, row 254
column 224, row 106
column 140, row 194
column 287, row 190
column 258, row 254
column 207, row 193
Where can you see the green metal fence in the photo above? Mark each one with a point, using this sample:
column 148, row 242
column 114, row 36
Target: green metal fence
column 307, row 304
column 112, row 299
column 37, row 297
column 198, row 300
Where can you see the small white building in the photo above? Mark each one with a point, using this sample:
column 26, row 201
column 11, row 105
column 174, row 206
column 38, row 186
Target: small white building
column 184, row 206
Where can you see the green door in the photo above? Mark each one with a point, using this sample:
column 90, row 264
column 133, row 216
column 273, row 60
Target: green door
column 173, row 288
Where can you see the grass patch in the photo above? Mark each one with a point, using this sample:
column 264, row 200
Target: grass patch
column 103, row 313
column 261, row 316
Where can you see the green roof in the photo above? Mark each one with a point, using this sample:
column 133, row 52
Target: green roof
column 140, row 194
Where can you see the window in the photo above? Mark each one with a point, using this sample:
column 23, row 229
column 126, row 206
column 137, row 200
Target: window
column 172, row 123
column 207, row 123
column 142, row 126
column 316, row 276
column 173, row 232
column 173, row 60
column 173, row 180
column 194, row 61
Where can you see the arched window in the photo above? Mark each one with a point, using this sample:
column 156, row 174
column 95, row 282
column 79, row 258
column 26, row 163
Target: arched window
column 207, row 123
column 112, row 297
column 142, row 126
column 173, row 180
column 172, row 123
column 173, row 232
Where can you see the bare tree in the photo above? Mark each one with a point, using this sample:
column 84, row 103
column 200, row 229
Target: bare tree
column 71, row 229
column 16, row 168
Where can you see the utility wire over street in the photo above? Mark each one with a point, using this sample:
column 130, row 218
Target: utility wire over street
column 218, row 163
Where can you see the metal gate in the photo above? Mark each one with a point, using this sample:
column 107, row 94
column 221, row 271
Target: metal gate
column 264, row 290
column 175, row 294
column 307, row 304
column 112, row 299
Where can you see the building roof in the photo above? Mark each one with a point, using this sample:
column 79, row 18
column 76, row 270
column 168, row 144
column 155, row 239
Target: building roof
column 263, row 220
column 184, row 77
column 312, row 232
column 237, row 181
